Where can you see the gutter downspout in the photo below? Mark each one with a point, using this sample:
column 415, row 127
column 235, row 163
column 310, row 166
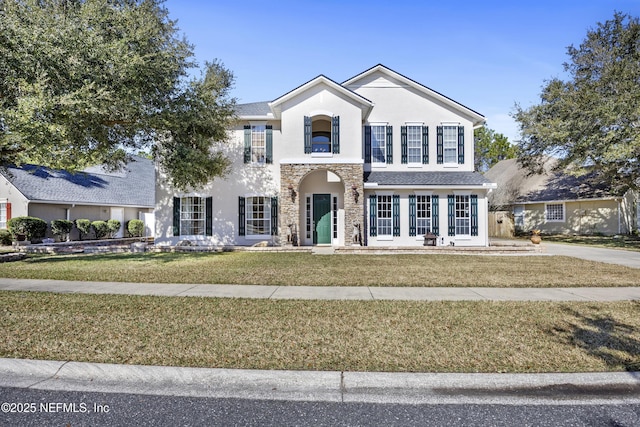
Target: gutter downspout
column 619, row 217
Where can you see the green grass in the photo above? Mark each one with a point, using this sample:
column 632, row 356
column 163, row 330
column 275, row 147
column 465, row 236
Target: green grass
column 290, row 269
column 322, row 335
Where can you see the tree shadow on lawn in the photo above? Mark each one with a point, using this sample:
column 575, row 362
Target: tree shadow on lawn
column 602, row 336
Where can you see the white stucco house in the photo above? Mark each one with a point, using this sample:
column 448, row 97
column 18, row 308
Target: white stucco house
column 378, row 160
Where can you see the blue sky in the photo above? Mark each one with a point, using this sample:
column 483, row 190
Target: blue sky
column 486, row 55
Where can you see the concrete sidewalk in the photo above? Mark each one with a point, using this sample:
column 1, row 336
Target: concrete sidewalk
column 325, row 386
column 362, row 293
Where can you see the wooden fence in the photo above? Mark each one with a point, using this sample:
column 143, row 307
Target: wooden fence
column 501, row 224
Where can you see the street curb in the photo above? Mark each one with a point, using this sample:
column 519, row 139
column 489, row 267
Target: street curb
column 324, row 386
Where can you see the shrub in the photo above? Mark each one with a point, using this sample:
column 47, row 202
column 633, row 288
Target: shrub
column 5, row 237
column 62, row 228
column 100, row 228
column 135, row 227
column 83, row 226
column 113, row 225
column 33, row 228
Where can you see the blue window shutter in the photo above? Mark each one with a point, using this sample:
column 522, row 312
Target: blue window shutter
column 373, row 215
column 435, row 217
column 269, row 141
column 208, row 223
column 241, row 216
column 247, row 144
column 396, row 215
column 452, row 215
column 403, row 145
column 412, row 215
column 367, row 144
column 389, row 145
column 425, row 145
column 474, row 215
column 274, row 216
column 335, row 134
column 176, row 216
column 461, row 145
column 307, row 135
column 440, row 145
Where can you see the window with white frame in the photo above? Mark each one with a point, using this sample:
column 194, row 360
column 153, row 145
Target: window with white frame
column 414, row 144
column 450, row 144
column 554, row 212
column 258, row 216
column 423, row 214
column 463, row 215
column 378, row 144
column 3, row 214
column 385, row 215
column 192, row 216
column 258, row 144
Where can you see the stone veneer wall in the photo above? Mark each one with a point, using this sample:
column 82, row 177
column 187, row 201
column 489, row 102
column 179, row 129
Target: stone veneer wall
column 293, row 174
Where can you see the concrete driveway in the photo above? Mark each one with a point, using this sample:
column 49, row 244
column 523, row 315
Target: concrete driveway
column 611, row 256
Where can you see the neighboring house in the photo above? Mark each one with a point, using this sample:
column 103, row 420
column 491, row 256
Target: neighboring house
column 379, row 160
column 560, row 203
column 93, row 194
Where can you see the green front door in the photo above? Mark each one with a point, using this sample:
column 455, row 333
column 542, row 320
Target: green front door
column 321, row 218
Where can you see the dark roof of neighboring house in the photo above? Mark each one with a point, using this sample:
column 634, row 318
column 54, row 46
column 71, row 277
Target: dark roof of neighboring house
column 514, row 186
column 426, row 178
column 253, row 109
column 134, row 185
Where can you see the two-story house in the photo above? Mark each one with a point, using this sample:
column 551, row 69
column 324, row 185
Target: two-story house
column 378, row 160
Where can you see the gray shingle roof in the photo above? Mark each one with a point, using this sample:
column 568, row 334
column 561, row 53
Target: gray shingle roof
column 253, row 109
column 132, row 186
column 514, row 185
column 426, row 178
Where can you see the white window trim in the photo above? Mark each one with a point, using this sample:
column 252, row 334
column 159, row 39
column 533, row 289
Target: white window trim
column 419, row 236
column 248, row 236
column 203, row 199
column 453, row 164
column 262, row 123
column 462, row 236
column 384, row 237
column 379, row 164
column 564, row 213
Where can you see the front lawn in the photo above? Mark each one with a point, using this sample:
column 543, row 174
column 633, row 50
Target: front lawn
column 290, row 269
column 322, row 335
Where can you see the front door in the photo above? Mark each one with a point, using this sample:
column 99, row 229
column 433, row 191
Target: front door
column 321, row 219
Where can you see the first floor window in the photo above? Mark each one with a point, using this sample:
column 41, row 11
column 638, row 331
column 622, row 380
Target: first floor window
column 258, row 216
column 3, row 215
column 192, row 216
column 462, row 215
column 378, row 144
column 423, row 214
column 554, row 212
column 385, row 212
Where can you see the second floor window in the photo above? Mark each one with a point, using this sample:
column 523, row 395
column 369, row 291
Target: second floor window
column 450, row 143
column 414, row 144
column 378, row 144
column 258, row 144
column 322, row 135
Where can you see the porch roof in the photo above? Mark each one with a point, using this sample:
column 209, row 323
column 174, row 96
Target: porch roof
column 432, row 179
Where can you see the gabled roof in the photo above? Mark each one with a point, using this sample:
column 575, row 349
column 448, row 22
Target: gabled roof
column 477, row 118
column 427, row 179
column 364, row 103
column 132, row 186
column 515, row 186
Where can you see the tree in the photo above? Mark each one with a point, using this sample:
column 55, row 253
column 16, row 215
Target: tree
column 490, row 148
column 592, row 121
column 85, row 82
